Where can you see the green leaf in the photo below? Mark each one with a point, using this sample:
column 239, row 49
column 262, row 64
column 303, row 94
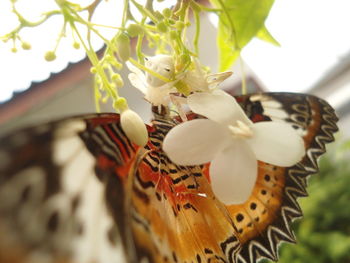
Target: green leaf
column 239, row 22
column 265, row 35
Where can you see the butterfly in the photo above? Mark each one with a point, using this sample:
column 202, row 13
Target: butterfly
column 77, row 190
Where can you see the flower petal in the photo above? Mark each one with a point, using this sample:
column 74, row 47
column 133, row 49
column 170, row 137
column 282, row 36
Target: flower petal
column 217, row 106
column 137, row 82
column 137, row 77
column 276, row 143
column 195, row 142
column 233, row 173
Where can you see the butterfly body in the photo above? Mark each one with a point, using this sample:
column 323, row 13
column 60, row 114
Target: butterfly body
column 78, row 190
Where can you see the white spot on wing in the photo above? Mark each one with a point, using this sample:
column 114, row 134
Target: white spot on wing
column 66, row 148
column 271, row 104
column 276, row 114
column 70, row 127
column 78, row 178
column 93, row 245
column 258, row 97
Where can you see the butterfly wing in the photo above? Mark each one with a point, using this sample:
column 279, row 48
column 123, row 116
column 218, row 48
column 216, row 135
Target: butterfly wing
column 121, row 204
column 62, row 192
column 180, row 220
column 264, row 220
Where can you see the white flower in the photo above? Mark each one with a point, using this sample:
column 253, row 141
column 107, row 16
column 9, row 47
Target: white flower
column 134, row 127
column 232, row 143
column 199, row 80
column 156, row 90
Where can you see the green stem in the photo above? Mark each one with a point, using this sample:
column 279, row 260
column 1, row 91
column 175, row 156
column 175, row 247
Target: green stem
column 198, row 29
column 95, row 62
column 155, row 74
column 139, row 54
column 125, row 13
column 144, row 11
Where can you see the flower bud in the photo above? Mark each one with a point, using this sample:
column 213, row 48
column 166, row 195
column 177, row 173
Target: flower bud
column 26, row 46
column 134, row 128
column 123, row 46
column 14, row 50
column 93, row 70
column 161, row 26
column 134, row 30
column 50, row 56
column 167, row 12
column 179, row 25
column 120, row 104
column 76, row 45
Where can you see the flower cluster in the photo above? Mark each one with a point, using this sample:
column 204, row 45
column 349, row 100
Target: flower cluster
column 227, row 139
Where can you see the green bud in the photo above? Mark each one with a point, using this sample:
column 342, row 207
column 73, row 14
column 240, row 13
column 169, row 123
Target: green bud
column 26, row 46
column 118, row 80
column 76, row 45
column 120, row 104
column 14, row 50
column 179, row 25
column 167, row 12
column 161, row 26
column 123, row 46
column 134, row 30
column 93, row 70
column 50, row 56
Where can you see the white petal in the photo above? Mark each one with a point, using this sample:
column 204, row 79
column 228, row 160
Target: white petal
column 217, row 106
column 137, row 82
column 195, row 142
column 137, row 77
column 233, row 173
column 217, row 78
column 276, row 143
column 134, row 69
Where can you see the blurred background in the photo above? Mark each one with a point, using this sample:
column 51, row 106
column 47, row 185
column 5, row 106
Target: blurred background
column 314, row 58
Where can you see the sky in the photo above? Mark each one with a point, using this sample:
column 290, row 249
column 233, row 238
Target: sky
column 313, row 34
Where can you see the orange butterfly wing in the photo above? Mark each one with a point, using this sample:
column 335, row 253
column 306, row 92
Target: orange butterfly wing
column 181, row 221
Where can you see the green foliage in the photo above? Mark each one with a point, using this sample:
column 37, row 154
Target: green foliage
column 323, row 235
column 239, row 22
column 265, row 35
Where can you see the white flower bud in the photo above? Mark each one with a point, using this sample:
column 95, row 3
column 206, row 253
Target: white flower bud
column 134, row 128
